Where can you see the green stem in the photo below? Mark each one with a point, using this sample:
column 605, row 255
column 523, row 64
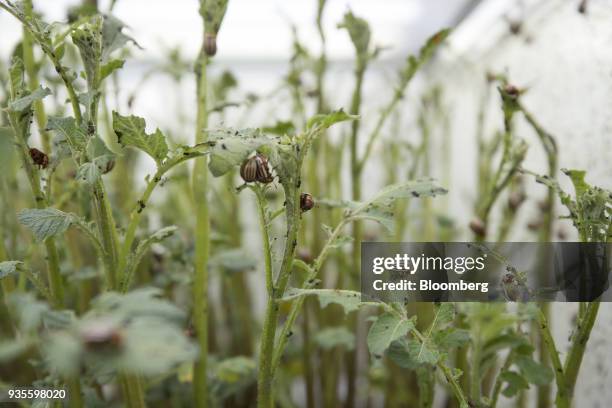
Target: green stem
column 202, row 243
column 133, row 389
column 475, row 384
column 263, row 224
column 41, row 201
column 578, row 346
column 32, row 71
column 136, row 214
column 296, row 306
column 549, row 342
column 267, row 364
column 74, row 393
column 106, row 229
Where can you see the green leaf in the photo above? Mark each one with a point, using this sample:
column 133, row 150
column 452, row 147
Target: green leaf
column 280, row 128
column 67, row 127
column 339, row 241
column 154, row 347
column 25, row 102
column 515, row 383
column 11, row 349
column 332, row 337
column 232, row 375
column 398, row 353
column 450, row 338
column 359, row 32
column 323, row 121
column 46, row 222
column 62, row 353
column 385, row 330
column 410, row 189
column 426, row 52
column 534, row 372
column 142, row 302
column 424, row 353
column 28, row 310
column 380, row 207
column 445, row 314
column 88, row 173
column 113, row 37
column 130, row 131
column 230, row 147
column 8, row 268
column 213, row 11
column 410, row 354
column 503, row 341
column 58, row 319
column 578, row 180
column 110, row 67
column 142, row 248
column 348, row 299
column 88, row 39
column 102, row 160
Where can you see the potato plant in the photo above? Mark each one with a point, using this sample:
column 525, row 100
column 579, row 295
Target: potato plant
column 106, row 280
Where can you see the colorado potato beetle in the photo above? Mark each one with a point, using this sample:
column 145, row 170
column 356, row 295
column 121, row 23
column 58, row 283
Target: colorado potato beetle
column 39, row 158
column 256, row 168
column 306, row 202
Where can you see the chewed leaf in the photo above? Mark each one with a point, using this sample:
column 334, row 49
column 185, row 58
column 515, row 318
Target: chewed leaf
column 230, row 147
column 8, row 268
column 23, row 103
column 348, row 299
column 47, row 222
column 385, row 330
column 130, row 131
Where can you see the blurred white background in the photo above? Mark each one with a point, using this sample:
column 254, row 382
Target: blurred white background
column 563, row 57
